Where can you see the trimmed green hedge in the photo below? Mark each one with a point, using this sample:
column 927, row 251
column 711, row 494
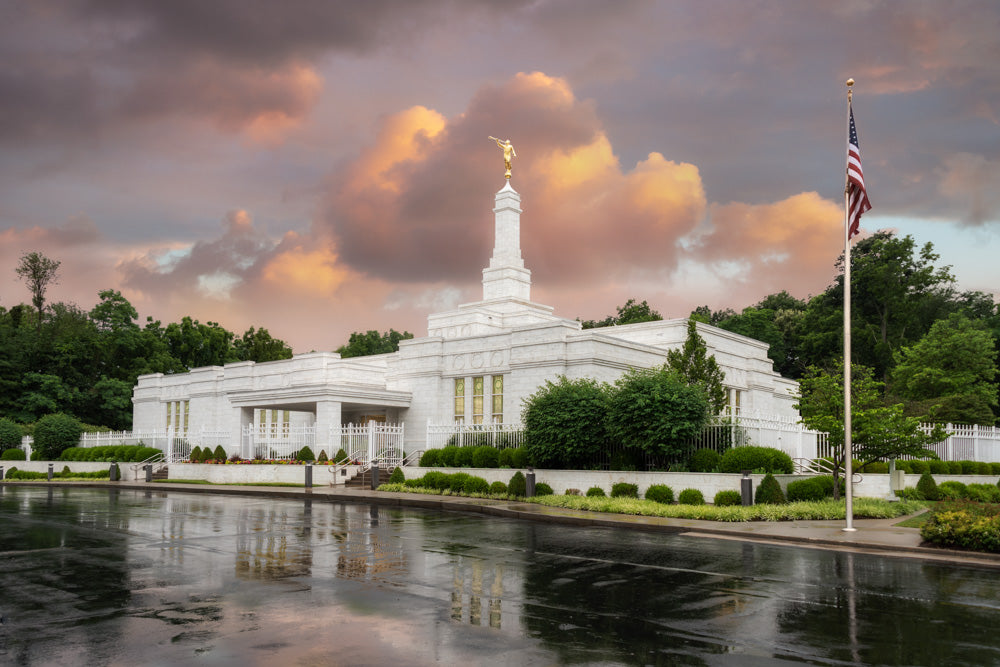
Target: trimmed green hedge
column 660, row 493
column 753, row 458
column 13, row 455
column 122, row 453
column 769, row 492
column 728, row 498
column 691, row 497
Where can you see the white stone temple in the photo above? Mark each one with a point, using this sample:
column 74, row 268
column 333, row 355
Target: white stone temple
column 475, row 366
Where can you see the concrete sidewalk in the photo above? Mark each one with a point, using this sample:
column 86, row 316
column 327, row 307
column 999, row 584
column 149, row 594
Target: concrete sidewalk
column 873, row 536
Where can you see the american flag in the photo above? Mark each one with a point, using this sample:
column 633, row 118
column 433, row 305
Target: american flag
column 857, row 196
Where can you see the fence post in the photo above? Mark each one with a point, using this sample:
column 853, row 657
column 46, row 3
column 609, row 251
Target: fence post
column 170, row 444
column 951, row 457
column 975, row 443
column 371, row 443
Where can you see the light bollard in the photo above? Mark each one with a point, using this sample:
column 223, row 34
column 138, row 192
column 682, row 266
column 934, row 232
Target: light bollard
column 149, row 472
column 1, row 472
column 113, row 472
column 50, row 472
column 374, row 475
column 309, row 475
column 529, row 484
column 746, row 489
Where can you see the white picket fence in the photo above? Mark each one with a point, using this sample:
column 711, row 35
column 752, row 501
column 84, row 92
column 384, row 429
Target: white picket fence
column 496, row 435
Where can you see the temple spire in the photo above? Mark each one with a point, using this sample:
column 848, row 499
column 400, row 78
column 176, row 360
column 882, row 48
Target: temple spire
column 506, row 277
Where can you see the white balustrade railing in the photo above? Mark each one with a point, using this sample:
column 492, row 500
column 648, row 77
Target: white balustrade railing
column 497, row 435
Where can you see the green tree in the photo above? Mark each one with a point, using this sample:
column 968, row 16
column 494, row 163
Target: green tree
column 38, row 272
column 55, row 433
column 372, row 342
column 10, row 434
column 953, row 368
column 196, row 345
column 629, row 313
column 564, row 422
column 698, row 368
column 878, row 432
column 656, row 411
column 258, row 345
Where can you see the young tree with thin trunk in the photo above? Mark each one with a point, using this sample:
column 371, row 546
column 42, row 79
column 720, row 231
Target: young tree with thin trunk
column 38, row 272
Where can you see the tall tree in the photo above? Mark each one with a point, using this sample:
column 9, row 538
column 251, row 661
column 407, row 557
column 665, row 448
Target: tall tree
column 629, row 313
column 952, row 368
column 38, row 272
column 372, row 342
column 258, row 345
column 699, row 368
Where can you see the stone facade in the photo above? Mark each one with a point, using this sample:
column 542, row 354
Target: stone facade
column 476, row 364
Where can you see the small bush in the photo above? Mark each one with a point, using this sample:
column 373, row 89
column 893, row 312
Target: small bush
column 572, row 492
column 982, row 493
column 966, row 527
column 768, row 459
column 919, row 467
column 463, row 457
column 340, row 456
column 220, row 454
column 876, row 467
column 624, row 490
column 486, row 457
column 518, row 485
column 506, row 458
column 951, row 491
column 806, row 489
column 927, row 487
column 938, row 467
column 476, row 485
column 322, row 456
column 728, row 498
column 909, row 493
column 596, row 492
column 498, row 489
column 195, row 455
column 13, row 455
column 954, row 467
column 704, row 460
column 769, row 492
column 304, row 454
column 519, row 457
column 984, row 469
column 543, row 489
column 446, row 456
column 435, row 480
column 659, row 493
column 430, row 458
column 414, row 483
column 691, row 497
column 10, row 434
column 969, row 467
column 826, row 481
column 995, row 468
column 397, row 476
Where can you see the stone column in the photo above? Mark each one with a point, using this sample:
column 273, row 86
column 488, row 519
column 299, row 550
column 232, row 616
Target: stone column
column 327, row 415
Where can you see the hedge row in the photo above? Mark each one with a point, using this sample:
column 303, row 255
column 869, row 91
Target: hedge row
column 14, row 473
column 123, row 453
column 483, row 456
column 937, row 467
column 964, row 526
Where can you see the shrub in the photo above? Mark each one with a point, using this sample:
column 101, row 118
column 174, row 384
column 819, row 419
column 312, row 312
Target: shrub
column 655, row 411
column 769, row 492
column 768, row 459
column 220, row 454
column 659, row 493
column 919, row 467
column 446, row 456
column 728, row 498
column 704, row 460
column 951, row 491
column 519, row 457
column 322, row 456
column 397, row 476
column 969, row 467
column 340, row 456
column 55, row 433
column 195, row 455
column 543, row 489
column 436, row 480
column 564, row 422
column 13, row 455
column 966, row 527
column 982, row 493
column 806, row 489
column 572, row 492
column 518, row 485
column 995, row 468
column 486, row 457
column 476, row 485
column 909, row 493
column 506, row 458
column 938, row 467
column 691, row 497
column 304, row 454
column 954, row 467
column 927, row 487
column 430, row 458
column 624, row 490
column 463, row 457
column 498, row 489
column 875, row 467
column 596, row 491
column 984, row 468
column 826, row 482
column 10, row 434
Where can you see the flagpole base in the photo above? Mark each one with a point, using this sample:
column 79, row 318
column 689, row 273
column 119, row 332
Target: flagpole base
column 849, row 529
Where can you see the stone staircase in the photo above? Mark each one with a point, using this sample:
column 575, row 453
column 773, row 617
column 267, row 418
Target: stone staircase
column 364, row 480
column 160, row 474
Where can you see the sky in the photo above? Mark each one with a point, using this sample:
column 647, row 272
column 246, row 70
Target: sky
column 316, row 167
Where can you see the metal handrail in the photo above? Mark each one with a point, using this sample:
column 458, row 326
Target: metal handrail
column 155, row 459
column 415, row 455
column 353, row 456
column 820, row 467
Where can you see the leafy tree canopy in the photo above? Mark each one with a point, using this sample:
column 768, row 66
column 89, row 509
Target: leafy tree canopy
column 698, row 368
column 629, row 313
column 372, row 342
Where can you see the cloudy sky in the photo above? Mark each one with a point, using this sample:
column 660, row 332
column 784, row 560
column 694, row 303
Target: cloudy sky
column 318, row 167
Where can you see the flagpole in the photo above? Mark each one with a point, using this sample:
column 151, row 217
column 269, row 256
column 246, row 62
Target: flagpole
column 848, row 453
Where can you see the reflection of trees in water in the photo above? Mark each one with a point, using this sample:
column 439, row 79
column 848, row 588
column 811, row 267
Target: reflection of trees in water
column 66, row 558
column 893, row 612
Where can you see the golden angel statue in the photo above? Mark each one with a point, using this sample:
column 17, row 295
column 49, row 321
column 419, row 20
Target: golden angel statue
column 508, row 153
